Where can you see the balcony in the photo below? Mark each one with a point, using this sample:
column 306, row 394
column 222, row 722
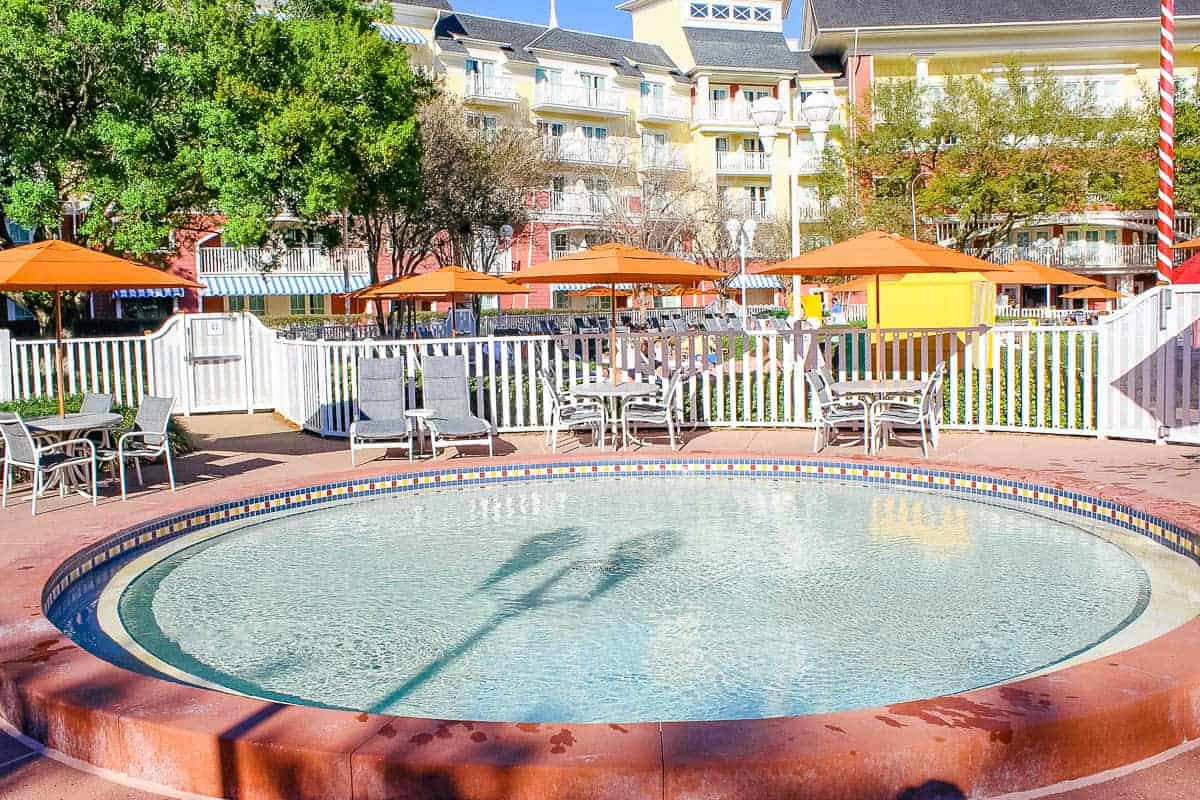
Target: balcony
column 294, row 261
column 1085, row 256
column 579, row 150
column 663, row 157
column 743, row 162
column 483, row 90
column 724, row 115
column 664, row 109
column 751, row 209
column 807, row 165
column 810, row 212
column 579, row 100
column 581, row 204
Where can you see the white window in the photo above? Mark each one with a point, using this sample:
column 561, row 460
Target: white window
column 592, row 132
column 553, row 76
column 720, row 12
column 762, row 14
column 741, row 13
column 550, row 129
column 699, row 11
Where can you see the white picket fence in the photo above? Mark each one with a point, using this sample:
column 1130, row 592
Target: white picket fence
column 1022, row 312
column 1123, row 377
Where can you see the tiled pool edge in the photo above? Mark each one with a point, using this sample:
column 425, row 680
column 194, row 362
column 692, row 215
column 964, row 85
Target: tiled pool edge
column 1095, row 716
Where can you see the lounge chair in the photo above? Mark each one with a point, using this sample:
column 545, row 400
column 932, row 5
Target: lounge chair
column 148, row 439
column 446, row 395
column 381, row 423
column 22, row 453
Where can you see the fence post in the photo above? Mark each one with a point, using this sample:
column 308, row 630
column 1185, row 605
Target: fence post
column 7, row 377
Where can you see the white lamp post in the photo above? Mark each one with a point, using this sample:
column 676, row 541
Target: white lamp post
column 741, row 233
column 818, row 110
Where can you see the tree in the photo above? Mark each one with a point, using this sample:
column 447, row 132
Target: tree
column 991, row 153
column 476, row 180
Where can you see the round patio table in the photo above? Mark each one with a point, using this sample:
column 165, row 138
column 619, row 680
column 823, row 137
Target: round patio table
column 614, row 394
column 66, row 428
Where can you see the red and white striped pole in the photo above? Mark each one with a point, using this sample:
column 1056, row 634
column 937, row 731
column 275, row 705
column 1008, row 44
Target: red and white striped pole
column 1166, row 142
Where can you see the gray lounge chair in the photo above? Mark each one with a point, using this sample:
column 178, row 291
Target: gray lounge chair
column 447, row 396
column 148, row 439
column 381, row 423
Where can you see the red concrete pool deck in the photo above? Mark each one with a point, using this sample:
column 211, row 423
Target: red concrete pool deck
column 81, row 704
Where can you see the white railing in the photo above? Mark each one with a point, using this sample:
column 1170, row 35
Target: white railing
column 663, row 157
column 1097, row 255
column 582, row 98
column 580, row 203
column 1023, row 312
column 808, row 165
column 1042, row 379
column 479, row 87
column 806, row 212
column 578, row 150
column 756, row 209
column 855, row 312
column 743, row 162
column 727, row 111
column 670, row 108
column 296, row 260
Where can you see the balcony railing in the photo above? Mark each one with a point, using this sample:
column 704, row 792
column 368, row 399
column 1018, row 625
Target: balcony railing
column 577, row 150
column 810, row 212
column 663, row 157
column 1079, row 255
column 808, row 165
column 743, row 162
column 752, row 209
column 500, row 90
column 727, row 111
column 671, row 109
column 580, row 203
column 579, row 98
column 296, row 260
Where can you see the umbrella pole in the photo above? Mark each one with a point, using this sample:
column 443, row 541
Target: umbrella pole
column 453, row 308
column 612, row 330
column 878, row 371
column 58, row 354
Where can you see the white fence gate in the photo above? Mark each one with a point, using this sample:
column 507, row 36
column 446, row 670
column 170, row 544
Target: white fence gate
column 1150, row 370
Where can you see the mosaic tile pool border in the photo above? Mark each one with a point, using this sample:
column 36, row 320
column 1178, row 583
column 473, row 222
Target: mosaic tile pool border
column 155, row 532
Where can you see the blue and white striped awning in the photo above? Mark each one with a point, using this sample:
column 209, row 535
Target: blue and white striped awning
column 125, row 294
column 581, row 287
column 271, row 285
column 400, row 34
column 748, row 281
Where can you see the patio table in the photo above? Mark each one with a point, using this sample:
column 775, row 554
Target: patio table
column 873, row 390
column 615, row 395
column 65, row 428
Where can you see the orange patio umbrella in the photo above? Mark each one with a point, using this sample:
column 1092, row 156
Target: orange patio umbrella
column 1190, row 244
column 877, row 254
column 57, row 266
column 1093, row 293
column 1031, row 273
column 447, row 283
column 601, row 291
column 611, row 264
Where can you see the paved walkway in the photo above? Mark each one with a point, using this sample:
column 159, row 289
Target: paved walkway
column 238, row 452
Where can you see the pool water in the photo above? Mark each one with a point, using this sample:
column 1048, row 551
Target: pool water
column 633, row 600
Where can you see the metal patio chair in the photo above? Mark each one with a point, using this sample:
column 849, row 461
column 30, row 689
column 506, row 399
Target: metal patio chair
column 837, row 414
column 570, row 413
column 21, row 452
column 148, row 439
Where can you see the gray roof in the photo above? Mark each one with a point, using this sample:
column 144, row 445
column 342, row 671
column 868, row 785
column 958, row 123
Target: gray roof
column 738, row 49
column 517, row 38
column 896, row 13
column 441, row 5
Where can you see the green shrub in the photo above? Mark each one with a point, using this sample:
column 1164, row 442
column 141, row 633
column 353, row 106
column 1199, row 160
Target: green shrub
column 181, row 439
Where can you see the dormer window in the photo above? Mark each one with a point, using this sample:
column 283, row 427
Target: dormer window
column 699, row 10
column 762, row 14
column 741, row 13
column 727, row 12
column 720, row 12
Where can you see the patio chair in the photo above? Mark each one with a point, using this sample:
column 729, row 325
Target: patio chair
column 568, row 413
column 381, row 423
column 21, row 452
column 148, row 439
column 660, row 412
column 889, row 414
column 447, row 395
column 94, row 403
column 837, row 414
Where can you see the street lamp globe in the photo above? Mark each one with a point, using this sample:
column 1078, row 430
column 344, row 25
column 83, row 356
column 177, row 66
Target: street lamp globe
column 767, row 114
column 506, row 231
column 749, row 229
column 819, row 110
column 733, row 227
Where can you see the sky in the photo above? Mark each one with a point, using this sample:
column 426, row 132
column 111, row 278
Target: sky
column 594, row 16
